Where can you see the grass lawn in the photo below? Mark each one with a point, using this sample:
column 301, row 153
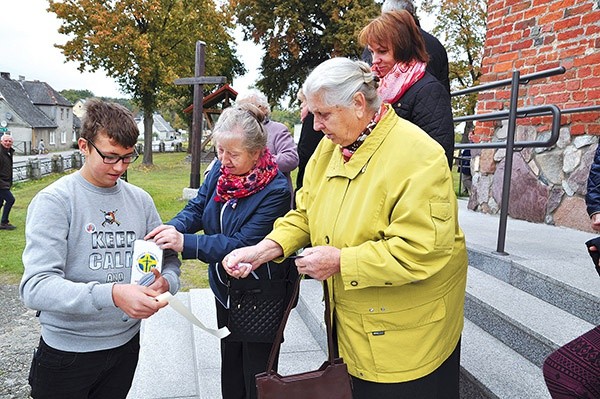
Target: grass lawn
column 164, row 181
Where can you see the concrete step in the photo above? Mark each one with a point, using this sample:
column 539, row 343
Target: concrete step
column 311, row 308
column 569, row 283
column 525, row 323
column 178, row 360
column 166, row 368
column 490, row 369
column 300, row 352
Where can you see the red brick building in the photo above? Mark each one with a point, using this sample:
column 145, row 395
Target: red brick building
column 548, row 185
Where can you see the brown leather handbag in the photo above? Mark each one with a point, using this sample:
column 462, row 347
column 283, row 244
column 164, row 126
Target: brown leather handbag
column 331, row 380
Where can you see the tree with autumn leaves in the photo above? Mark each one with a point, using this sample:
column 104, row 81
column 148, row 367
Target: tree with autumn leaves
column 461, row 26
column 146, row 44
column 297, row 35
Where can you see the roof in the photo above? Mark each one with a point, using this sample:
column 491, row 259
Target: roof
column 18, row 99
column 224, row 92
column 41, row 93
column 161, row 124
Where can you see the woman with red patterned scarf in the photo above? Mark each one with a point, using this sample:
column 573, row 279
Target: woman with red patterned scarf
column 236, row 206
column 399, row 60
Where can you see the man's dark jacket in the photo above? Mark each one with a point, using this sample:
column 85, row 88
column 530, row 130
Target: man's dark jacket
column 6, row 167
column 592, row 197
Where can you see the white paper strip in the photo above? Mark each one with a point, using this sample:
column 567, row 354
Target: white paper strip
column 185, row 312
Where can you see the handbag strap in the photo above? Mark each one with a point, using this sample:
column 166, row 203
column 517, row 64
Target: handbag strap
column 279, row 335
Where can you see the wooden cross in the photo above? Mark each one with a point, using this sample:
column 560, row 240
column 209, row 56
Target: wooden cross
column 198, row 81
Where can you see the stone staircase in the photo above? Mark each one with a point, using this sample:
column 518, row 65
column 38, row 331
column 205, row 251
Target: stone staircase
column 507, row 335
column 519, row 307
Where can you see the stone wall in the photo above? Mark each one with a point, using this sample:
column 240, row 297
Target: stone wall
column 548, row 184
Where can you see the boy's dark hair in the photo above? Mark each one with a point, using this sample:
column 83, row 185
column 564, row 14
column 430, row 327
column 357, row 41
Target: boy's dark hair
column 112, row 119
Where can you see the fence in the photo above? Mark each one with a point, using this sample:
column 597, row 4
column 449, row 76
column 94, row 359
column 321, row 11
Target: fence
column 35, row 168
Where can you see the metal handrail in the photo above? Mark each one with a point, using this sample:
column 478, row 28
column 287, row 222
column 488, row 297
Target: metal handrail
column 510, row 145
column 525, row 79
column 538, row 110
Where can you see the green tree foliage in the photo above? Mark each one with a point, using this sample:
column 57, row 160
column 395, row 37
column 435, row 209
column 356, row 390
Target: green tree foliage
column 461, row 27
column 146, row 44
column 74, row 95
column 289, row 117
column 297, row 35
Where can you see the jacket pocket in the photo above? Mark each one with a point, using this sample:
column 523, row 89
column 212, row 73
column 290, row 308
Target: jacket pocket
column 405, row 340
column 441, row 215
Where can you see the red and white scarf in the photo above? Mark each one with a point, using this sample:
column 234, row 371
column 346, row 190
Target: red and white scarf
column 399, row 79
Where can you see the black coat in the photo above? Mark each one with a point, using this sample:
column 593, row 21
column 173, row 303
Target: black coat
column 308, row 142
column 592, row 197
column 427, row 105
column 6, row 167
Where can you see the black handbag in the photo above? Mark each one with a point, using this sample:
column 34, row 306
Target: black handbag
column 256, row 306
column 331, row 380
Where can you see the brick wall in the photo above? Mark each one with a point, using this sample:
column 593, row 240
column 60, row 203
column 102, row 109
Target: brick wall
column 536, row 35
column 548, row 185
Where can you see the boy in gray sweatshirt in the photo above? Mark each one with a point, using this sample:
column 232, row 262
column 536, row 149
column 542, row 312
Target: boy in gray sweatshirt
column 78, row 257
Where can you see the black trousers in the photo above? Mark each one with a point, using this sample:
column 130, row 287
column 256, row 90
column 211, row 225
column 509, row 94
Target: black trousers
column 104, row 374
column 442, row 383
column 8, row 200
column 240, row 362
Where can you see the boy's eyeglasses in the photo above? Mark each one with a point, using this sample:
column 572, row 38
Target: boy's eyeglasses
column 113, row 159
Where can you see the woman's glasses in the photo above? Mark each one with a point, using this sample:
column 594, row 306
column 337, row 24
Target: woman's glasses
column 113, row 159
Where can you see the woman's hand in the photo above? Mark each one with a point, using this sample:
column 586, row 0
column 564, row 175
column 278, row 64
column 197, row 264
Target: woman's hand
column 596, row 221
column 240, row 262
column 320, row 262
column 166, row 237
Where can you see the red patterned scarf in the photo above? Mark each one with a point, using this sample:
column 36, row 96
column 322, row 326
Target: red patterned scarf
column 349, row 150
column 232, row 187
column 399, row 79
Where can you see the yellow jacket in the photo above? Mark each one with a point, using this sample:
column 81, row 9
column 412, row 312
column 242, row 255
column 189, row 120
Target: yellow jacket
column 392, row 211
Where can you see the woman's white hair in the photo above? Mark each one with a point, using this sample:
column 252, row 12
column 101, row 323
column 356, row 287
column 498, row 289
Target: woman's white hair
column 256, row 98
column 244, row 120
column 338, row 79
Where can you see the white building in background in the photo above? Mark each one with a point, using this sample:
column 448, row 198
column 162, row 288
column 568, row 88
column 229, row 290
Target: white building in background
column 161, row 129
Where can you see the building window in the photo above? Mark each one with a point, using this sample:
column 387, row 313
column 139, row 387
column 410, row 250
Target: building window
column 63, row 137
column 53, row 138
column 62, row 114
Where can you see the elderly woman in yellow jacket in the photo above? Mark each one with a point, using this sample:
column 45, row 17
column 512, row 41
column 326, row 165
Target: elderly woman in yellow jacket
column 379, row 209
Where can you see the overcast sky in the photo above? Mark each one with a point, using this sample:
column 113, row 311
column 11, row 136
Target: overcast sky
column 27, row 36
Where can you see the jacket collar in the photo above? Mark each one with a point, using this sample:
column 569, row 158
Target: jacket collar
column 358, row 162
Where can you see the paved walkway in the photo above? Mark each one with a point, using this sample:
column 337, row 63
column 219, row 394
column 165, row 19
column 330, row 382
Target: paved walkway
column 180, row 361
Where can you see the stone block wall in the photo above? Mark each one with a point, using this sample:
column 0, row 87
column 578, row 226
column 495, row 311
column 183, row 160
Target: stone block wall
column 548, row 184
